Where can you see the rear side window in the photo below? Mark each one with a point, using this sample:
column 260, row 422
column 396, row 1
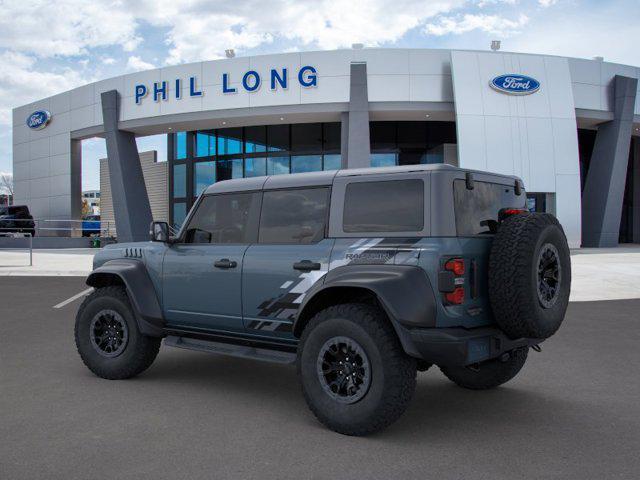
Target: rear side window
column 297, row 216
column 477, row 210
column 223, row 218
column 391, row 206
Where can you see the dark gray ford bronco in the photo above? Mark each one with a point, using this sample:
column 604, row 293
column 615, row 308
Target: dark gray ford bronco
column 360, row 277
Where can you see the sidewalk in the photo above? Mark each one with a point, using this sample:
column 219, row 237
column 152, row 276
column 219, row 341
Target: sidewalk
column 598, row 274
column 47, row 263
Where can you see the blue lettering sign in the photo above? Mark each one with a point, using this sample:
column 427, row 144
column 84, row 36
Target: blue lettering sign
column 256, row 81
column 157, row 90
column 192, row 88
column 275, row 77
column 225, row 84
column 515, row 84
column 251, row 81
column 311, row 80
column 141, row 92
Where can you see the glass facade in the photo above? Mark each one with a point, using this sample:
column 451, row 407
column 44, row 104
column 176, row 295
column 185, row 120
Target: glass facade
column 201, row 158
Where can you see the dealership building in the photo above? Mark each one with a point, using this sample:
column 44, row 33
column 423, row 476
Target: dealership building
column 570, row 128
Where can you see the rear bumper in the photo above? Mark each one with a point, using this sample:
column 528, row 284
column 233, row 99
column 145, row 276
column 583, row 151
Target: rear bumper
column 462, row 346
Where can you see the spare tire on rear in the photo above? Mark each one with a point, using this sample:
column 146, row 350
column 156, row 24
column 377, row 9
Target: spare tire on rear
column 529, row 275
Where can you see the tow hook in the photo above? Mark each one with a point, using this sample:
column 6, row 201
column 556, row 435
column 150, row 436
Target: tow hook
column 536, row 348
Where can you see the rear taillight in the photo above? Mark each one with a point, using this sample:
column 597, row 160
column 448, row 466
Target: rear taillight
column 507, row 212
column 456, row 297
column 455, row 265
column 453, row 280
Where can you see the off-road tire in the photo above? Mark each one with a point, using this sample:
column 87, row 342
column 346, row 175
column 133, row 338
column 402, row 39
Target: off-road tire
column 138, row 354
column 513, row 275
column 489, row 374
column 392, row 371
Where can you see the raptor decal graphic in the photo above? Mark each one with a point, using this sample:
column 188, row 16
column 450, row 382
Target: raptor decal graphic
column 369, row 251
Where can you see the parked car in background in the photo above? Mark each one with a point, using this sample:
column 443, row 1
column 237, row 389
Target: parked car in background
column 16, row 219
column 91, row 225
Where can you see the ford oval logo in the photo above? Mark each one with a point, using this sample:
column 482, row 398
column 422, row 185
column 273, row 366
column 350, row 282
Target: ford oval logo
column 38, row 119
column 515, row 84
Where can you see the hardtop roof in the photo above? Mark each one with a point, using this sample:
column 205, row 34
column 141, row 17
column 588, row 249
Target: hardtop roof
column 311, row 179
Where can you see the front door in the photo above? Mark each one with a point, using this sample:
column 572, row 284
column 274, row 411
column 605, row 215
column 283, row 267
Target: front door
column 202, row 272
column 291, row 255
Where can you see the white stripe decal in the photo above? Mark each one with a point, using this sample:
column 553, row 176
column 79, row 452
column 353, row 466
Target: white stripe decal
column 287, row 284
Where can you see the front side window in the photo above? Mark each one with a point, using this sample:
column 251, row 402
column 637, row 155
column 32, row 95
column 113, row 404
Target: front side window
column 477, row 210
column 222, row 219
column 296, row 216
column 389, row 206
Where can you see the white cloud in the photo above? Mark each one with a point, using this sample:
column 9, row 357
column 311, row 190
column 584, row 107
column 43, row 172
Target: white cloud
column 66, row 27
column 327, row 24
column 547, row 3
column 493, row 24
column 20, row 83
column 583, row 34
column 135, row 64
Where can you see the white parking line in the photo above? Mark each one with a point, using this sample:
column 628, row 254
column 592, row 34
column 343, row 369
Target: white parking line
column 74, row 298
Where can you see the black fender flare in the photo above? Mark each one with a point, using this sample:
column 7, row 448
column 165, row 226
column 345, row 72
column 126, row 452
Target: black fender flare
column 142, row 294
column 403, row 291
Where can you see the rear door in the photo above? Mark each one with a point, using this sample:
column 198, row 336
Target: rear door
column 292, row 253
column 202, row 272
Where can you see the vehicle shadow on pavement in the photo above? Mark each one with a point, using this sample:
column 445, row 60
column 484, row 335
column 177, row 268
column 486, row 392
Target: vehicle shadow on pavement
column 439, row 408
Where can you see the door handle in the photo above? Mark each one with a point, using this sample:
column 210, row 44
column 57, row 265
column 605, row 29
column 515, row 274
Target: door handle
column 225, row 263
column 306, row 265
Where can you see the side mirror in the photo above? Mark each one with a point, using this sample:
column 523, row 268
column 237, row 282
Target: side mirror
column 159, row 232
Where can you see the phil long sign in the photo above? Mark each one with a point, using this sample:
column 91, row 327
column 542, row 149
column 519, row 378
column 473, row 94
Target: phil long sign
column 251, row 81
column 515, row 84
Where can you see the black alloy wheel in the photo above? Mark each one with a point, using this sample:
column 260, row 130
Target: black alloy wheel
column 109, row 333
column 549, row 275
column 344, row 370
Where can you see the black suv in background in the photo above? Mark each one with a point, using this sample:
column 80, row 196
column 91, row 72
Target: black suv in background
column 16, row 219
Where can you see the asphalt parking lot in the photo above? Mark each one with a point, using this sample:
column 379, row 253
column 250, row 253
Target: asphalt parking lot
column 574, row 411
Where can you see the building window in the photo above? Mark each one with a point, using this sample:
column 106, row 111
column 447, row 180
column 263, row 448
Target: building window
column 332, row 162
column 229, row 141
column 277, row 165
column 410, row 143
column 200, row 158
column 278, row 138
column 255, row 139
column 180, row 180
column 179, row 214
column 204, row 174
column 384, row 159
column 180, row 146
column 205, row 144
column 255, row 167
column 228, row 169
column 306, row 137
column 306, row 163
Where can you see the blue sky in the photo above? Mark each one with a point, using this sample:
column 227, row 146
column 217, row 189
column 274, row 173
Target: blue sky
column 51, row 46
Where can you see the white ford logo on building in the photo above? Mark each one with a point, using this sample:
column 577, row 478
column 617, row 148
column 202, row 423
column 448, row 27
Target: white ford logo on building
column 38, row 119
column 515, row 84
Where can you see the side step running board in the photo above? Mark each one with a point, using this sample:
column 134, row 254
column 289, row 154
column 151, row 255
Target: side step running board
column 241, row 351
